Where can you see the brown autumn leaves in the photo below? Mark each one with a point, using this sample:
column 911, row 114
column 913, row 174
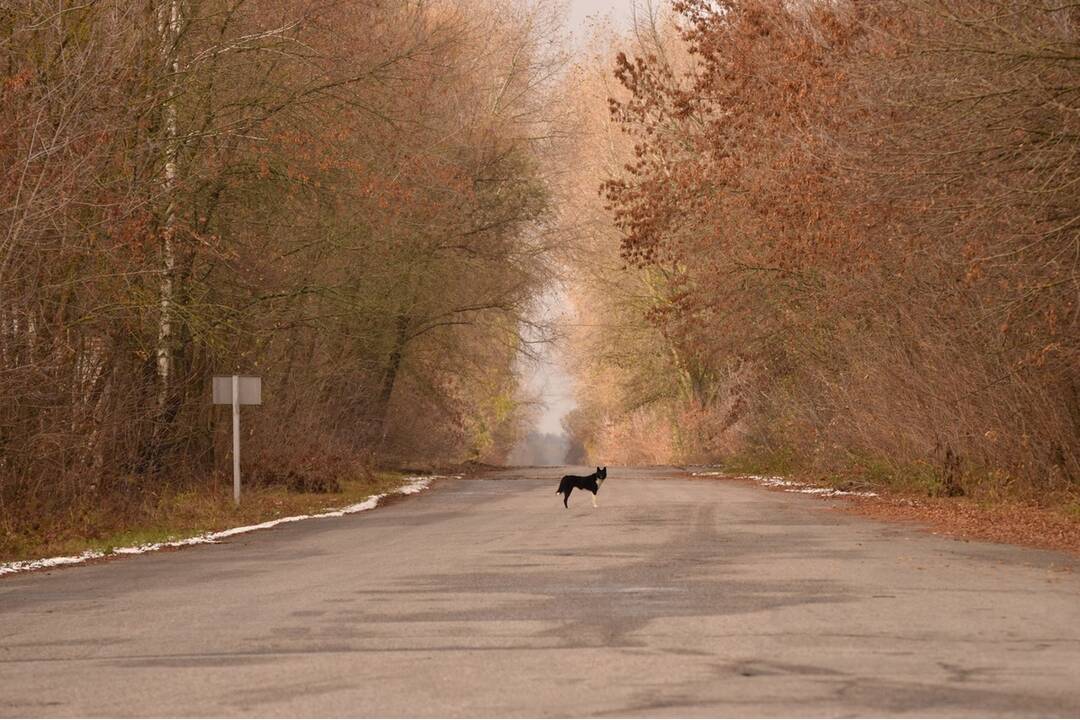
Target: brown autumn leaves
column 846, row 239
column 820, row 234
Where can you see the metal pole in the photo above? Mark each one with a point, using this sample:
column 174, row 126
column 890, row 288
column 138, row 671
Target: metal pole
column 236, row 438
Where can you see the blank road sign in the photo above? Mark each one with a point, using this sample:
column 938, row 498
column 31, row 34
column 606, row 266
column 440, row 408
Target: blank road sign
column 250, row 390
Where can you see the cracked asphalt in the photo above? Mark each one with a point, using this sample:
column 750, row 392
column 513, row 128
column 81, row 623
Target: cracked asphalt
column 484, row 597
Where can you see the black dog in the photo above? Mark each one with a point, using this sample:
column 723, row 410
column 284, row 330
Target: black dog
column 591, row 483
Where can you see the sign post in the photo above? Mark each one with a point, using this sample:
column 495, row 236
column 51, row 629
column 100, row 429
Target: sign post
column 237, row 390
column 236, row 439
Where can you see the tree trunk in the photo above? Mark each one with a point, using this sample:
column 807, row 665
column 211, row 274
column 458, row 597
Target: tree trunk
column 393, row 365
column 169, row 26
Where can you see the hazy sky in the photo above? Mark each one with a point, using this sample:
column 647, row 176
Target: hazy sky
column 579, row 13
column 556, row 390
column 548, row 379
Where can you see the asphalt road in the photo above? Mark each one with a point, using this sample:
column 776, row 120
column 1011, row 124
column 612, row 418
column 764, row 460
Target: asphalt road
column 484, row 596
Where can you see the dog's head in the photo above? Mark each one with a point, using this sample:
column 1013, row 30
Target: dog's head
column 601, row 474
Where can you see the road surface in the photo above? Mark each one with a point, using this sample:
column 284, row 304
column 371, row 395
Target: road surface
column 678, row 596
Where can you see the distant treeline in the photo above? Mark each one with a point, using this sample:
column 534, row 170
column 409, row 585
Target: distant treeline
column 835, row 236
column 542, row 449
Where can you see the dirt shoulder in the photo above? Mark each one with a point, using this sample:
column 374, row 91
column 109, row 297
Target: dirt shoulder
column 1004, row 521
column 1045, row 526
column 961, row 518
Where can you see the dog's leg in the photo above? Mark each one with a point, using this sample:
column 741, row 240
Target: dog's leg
column 594, row 500
column 566, row 499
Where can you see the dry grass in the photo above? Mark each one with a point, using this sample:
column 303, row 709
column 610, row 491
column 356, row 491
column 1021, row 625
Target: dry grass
column 175, row 515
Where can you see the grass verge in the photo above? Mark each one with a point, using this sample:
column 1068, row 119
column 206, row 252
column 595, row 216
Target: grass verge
column 176, row 515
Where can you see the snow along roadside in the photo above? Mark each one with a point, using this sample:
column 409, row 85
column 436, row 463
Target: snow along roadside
column 789, row 485
column 415, row 485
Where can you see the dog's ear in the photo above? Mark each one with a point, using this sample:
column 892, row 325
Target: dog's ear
column 597, row 468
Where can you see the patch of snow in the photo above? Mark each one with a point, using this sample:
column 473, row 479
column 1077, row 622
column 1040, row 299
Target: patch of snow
column 791, row 485
column 799, row 487
column 49, row 562
column 415, row 485
column 773, row 481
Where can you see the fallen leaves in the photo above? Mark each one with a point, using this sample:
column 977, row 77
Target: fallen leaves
column 1013, row 522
